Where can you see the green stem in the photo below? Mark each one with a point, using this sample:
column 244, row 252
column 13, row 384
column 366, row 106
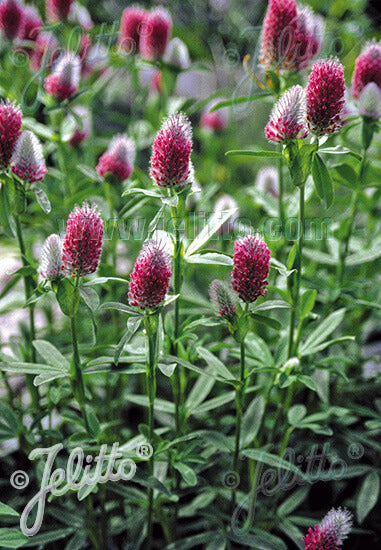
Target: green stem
column 355, row 200
column 28, row 287
column 239, row 404
column 298, row 267
column 77, row 378
column 151, row 390
column 280, row 190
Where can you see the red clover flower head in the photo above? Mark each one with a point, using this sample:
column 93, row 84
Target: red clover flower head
column 325, row 99
column 332, row 531
column 81, row 125
column 223, row 300
column 32, row 24
column 287, row 119
column 251, row 268
column 155, row 33
column 131, row 26
column 63, row 82
column 170, row 159
column 50, row 259
column 11, row 18
column 82, row 246
column 291, row 36
column 369, row 101
column 58, row 10
column 10, row 130
column 45, row 51
column 150, row 277
column 367, row 68
column 119, row 158
column 27, row 160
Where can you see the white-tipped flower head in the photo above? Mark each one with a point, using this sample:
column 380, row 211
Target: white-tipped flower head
column 81, row 124
column 27, row 159
column 50, row 260
column 268, row 181
column 369, row 101
column 119, row 158
column 223, row 204
column 64, row 80
column 177, row 54
column 338, row 523
column 287, row 119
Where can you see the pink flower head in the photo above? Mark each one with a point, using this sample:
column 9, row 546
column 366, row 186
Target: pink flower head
column 287, row 119
column 369, row 101
column 50, row 259
column 58, row 10
column 279, row 29
column 82, row 246
column 150, row 277
column 155, row 33
column 170, row 159
column 223, row 300
column 32, row 24
column 309, row 38
column 291, row 36
column 325, row 97
column 268, row 181
column 45, row 51
column 131, row 26
column 332, row 531
column 11, row 18
column 215, row 121
column 251, row 268
column 27, row 160
column 10, row 130
column 320, row 539
column 119, row 158
column 63, row 82
column 81, row 125
column 224, row 203
column 367, row 68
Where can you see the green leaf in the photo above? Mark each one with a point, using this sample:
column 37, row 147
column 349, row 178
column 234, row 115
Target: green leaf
column 252, row 420
column 296, row 414
column 307, row 302
column 270, row 304
column 12, row 538
column 43, row 201
column 210, row 258
column 215, row 363
column 90, row 297
column 242, row 153
column 322, row 180
column 50, row 536
column 274, row 461
column 119, row 306
column 237, row 101
column 214, row 223
column 293, row 501
column 323, row 330
column 200, row 391
column 67, row 297
column 339, row 150
column 269, row 321
column 308, row 381
column 51, row 355
column 188, row 475
column 368, row 495
column 29, row 368
column 214, row 403
column 6, row 510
